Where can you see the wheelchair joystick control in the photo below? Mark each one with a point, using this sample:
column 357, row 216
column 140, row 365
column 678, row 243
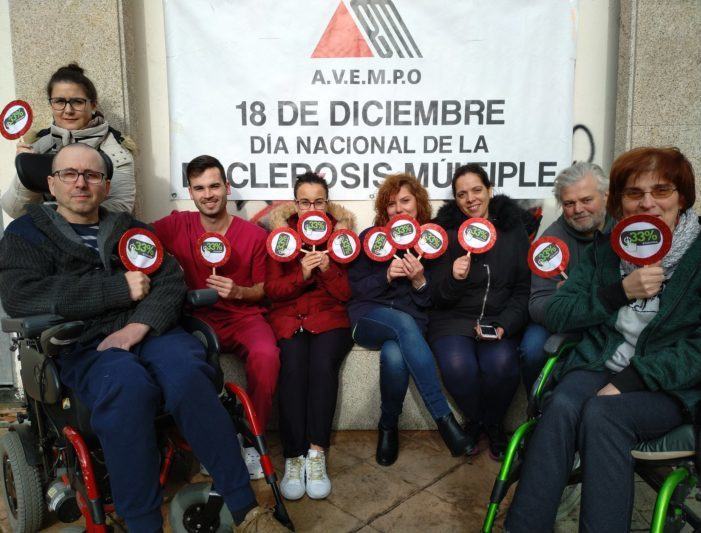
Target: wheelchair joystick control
column 63, row 502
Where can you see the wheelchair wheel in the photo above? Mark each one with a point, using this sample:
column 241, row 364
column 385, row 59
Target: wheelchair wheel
column 22, row 485
column 186, row 505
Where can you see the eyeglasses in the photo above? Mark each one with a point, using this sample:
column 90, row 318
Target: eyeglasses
column 658, row 192
column 77, row 104
column 70, row 175
column 306, row 204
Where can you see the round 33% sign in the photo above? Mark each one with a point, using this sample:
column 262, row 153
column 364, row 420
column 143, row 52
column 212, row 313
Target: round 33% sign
column 548, row 257
column 641, row 239
column 16, row 119
column 343, row 246
column 314, row 227
column 283, row 244
column 377, row 245
column 433, row 241
column 477, row 235
column 213, row 250
column 403, row 231
column 140, row 249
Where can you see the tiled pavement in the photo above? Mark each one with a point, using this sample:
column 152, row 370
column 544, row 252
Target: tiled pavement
column 425, row 490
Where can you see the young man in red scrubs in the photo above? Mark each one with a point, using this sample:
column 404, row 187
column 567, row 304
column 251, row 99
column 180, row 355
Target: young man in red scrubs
column 238, row 316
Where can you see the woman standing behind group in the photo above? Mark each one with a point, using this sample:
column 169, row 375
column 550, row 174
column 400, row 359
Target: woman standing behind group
column 388, row 312
column 73, row 100
column 490, row 289
column 310, row 321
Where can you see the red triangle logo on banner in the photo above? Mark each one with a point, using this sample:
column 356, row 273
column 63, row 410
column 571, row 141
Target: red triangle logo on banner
column 342, row 37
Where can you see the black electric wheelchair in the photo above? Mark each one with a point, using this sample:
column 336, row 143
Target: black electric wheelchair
column 671, row 464
column 52, row 461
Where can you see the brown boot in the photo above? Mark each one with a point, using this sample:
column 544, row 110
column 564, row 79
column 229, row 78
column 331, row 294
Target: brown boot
column 260, row 520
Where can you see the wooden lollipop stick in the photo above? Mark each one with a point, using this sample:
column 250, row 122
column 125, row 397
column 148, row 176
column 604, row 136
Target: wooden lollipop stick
column 562, row 272
column 397, row 257
column 214, row 271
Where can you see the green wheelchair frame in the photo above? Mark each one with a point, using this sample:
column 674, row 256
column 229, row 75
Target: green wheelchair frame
column 674, row 479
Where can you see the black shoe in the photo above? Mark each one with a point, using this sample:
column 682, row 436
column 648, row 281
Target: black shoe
column 498, row 441
column 457, row 441
column 474, row 432
column 387, row 446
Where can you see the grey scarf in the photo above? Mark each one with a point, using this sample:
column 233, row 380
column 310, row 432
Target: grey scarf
column 685, row 233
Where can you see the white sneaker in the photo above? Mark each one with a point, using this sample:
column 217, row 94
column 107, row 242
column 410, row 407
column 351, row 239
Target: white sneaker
column 292, row 484
column 318, row 482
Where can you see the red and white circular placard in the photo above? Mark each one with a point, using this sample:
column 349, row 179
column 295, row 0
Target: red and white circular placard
column 403, row 231
column 641, row 239
column 477, row 235
column 433, row 241
column 283, row 244
column 140, row 249
column 16, row 119
column 343, row 246
column 314, row 227
column 213, row 249
column 548, row 257
column 377, row 245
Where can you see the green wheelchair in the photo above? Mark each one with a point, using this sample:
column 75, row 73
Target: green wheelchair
column 671, row 464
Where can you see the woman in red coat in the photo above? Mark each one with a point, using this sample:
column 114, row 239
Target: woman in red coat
column 309, row 319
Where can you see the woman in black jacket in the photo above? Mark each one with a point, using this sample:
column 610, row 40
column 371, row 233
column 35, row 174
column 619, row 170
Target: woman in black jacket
column 489, row 289
column 388, row 313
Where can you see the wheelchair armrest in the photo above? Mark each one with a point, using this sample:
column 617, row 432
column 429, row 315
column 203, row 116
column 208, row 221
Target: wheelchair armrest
column 201, row 297
column 30, row 326
column 557, row 346
column 61, row 335
column 206, row 335
column 561, row 342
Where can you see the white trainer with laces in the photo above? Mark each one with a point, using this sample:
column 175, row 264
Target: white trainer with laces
column 318, row 482
column 292, row 484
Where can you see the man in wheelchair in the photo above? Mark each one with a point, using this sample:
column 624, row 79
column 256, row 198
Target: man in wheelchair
column 635, row 374
column 131, row 360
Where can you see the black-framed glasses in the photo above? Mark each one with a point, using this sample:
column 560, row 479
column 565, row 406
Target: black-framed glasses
column 77, row 104
column 320, row 205
column 658, row 192
column 70, row 175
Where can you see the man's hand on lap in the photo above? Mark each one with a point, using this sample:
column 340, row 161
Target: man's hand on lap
column 130, row 335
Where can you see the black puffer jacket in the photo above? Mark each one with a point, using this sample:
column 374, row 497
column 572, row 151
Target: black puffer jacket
column 458, row 303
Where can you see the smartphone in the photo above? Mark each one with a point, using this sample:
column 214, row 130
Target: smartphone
column 487, row 332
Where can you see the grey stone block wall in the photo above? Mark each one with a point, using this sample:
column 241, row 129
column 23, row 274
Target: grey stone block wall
column 358, row 404
column 659, row 77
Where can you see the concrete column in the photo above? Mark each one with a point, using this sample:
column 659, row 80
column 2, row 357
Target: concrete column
column 96, row 34
column 659, row 77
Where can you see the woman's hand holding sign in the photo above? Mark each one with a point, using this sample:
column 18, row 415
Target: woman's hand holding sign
column 414, row 270
column 644, row 282
column 395, row 270
column 461, row 267
column 309, row 262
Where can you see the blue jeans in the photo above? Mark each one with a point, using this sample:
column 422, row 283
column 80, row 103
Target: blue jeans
column 125, row 390
column 604, row 429
column 532, row 353
column 404, row 352
column 481, row 376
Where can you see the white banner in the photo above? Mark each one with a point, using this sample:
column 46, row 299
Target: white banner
column 357, row 89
